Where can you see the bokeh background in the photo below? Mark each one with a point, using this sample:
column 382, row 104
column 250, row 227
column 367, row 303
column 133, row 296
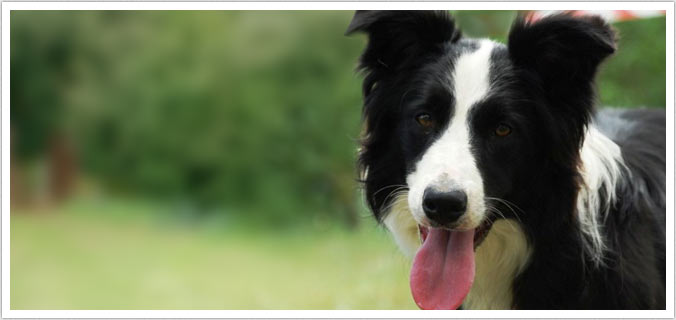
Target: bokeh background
column 205, row 159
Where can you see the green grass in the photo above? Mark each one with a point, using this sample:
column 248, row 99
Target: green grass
column 107, row 257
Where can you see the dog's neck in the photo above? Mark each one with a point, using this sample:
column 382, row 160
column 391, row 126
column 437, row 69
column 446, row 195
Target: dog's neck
column 601, row 169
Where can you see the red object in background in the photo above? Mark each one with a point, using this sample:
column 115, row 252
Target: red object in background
column 608, row 15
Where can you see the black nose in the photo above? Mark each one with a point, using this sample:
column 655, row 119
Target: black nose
column 444, row 207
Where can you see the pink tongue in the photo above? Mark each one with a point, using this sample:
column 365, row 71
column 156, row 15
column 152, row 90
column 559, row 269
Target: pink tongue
column 443, row 269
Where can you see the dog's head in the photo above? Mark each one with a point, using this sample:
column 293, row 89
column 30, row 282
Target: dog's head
column 457, row 128
column 456, row 121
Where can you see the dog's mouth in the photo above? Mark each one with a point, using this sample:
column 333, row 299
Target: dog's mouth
column 480, row 232
column 443, row 269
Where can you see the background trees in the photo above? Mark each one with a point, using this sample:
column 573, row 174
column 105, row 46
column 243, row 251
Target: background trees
column 253, row 111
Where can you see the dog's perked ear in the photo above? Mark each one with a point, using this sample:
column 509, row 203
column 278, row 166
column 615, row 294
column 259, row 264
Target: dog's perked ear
column 561, row 47
column 397, row 39
column 563, row 52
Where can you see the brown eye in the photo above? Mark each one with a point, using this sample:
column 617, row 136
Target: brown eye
column 503, row 130
column 425, row 120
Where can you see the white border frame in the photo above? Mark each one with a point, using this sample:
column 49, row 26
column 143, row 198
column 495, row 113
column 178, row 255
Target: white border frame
column 7, row 7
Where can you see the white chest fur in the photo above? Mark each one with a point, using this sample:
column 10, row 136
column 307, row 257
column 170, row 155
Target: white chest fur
column 499, row 259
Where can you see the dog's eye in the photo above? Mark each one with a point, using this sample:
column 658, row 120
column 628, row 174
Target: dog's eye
column 503, row 130
column 425, row 120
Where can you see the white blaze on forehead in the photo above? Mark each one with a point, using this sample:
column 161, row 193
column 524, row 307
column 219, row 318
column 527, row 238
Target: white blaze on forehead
column 471, row 78
column 448, row 164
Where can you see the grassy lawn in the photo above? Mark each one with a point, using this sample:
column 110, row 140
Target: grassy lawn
column 74, row 259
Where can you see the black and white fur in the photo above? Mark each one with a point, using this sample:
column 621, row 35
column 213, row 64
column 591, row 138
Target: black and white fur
column 576, row 197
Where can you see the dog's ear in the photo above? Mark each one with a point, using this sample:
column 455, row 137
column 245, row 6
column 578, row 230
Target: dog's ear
column 560, row 54
column 561, row 47
column 401, row 39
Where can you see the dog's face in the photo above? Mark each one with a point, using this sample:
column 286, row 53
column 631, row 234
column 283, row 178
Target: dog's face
column 460, row 119
column 457, row 128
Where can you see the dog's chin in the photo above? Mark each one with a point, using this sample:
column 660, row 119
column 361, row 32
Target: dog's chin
column 480, row 232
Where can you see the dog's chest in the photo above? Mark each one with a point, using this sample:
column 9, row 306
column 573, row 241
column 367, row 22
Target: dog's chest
column 499, row 259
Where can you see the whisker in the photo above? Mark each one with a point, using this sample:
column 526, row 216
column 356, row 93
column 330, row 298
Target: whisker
column 497, row 211
column 394, row 193
column 510, row 206
column 389, row 186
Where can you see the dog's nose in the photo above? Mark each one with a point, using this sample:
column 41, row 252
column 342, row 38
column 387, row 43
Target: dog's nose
column 444, row 208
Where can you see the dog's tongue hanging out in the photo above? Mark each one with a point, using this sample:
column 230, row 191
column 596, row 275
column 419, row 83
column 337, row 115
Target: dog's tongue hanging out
column 443, row 269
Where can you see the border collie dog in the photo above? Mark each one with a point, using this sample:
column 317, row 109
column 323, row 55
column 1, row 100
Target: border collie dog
column 491, row 167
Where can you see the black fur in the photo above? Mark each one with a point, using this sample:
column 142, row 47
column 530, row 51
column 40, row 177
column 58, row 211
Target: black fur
column 542, row 84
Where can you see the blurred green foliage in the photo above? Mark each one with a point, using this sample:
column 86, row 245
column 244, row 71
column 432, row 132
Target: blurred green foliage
column 636, row 74
column 250, row 109
column 245, row 109
column 39, row 72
